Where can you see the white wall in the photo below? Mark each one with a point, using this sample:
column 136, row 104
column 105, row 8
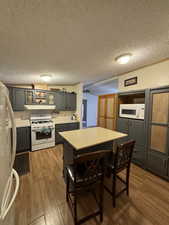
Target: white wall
column 92, row 107
column 148, row 77
column 79, row 92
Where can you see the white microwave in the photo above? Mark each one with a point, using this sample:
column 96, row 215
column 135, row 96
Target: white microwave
column 134, row 111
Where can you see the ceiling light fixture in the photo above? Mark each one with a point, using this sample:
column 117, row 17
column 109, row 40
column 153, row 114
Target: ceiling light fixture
column 123, row 59
column 46, row 77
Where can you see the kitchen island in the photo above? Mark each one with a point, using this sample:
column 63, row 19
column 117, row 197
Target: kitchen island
column 86, row 140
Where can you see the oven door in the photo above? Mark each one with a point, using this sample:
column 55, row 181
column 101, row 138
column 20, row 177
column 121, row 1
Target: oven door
column 128, row 111
column 42, row 135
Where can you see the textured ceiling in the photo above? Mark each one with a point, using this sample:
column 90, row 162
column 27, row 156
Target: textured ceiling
column 77, row 41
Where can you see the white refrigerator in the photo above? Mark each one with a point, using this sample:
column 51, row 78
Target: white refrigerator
column 9, row 179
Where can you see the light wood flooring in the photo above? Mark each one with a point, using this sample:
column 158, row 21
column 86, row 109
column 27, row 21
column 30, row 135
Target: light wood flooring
column 41, row 198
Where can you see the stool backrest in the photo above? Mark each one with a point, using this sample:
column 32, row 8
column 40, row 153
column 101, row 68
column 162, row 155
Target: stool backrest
column 123, row 155
column 90, row 166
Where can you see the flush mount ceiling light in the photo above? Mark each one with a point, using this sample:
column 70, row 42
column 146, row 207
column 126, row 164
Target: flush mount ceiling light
column 123, row 59
column 46, row 77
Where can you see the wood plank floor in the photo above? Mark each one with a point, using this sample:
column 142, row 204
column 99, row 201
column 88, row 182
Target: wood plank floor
column 41, row 198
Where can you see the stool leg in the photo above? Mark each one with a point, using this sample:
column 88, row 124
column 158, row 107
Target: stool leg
column 67, row 188
column 127, row 180
column 114, row 189
column 75, row 208
column 101, row 200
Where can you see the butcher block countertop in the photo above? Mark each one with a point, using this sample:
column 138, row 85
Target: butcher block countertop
column 88, row 137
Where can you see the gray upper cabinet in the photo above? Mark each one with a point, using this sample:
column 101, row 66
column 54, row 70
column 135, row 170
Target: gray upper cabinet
column 67, row 101
column 64, row 101
column 18, row 99
column 70, row 101
column 59, row 101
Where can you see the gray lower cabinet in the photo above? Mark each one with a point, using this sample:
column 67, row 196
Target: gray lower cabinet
column 123, row 126
column 136, row 131
column 157, row 163
column 23, row 139
column 64, row 127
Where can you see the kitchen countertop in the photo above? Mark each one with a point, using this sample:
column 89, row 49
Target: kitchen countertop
column 22, row 123
column 26, row 123
column 88, row 137
column 60, row 121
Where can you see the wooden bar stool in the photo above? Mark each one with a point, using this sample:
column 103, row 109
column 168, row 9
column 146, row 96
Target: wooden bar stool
column 121, row 160
column 84, row 174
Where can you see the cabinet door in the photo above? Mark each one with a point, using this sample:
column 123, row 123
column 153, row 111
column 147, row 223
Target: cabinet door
column 159, row 124
column 137, row 132
column 102, row 111
column 139, row 156
column 123, row 126
column 110, row 114
column 64, row 127
column 18, row 99
column 157, row 163
column 70, row 101
column 158, row 132
column 23, row 139
column 59, row 101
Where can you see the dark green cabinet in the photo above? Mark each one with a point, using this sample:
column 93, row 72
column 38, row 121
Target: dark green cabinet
column 64, row 127
column 68, row 101
column 157, row 163
column 158, row 132
column 136, row 130
column 59, row 101
column 64, row 101
column 23, row 139
column 17, row 97
column 123, row 126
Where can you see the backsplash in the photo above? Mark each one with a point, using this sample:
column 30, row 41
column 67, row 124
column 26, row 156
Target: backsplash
column 25, row 115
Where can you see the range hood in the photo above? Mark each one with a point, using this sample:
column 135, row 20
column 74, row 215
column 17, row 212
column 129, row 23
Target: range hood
column 40, row 107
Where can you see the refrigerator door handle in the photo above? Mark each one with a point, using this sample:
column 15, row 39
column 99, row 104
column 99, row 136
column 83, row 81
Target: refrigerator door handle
column 13, row 130
column 5, row 206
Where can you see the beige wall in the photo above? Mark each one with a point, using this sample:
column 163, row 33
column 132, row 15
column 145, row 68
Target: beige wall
column 148, row 77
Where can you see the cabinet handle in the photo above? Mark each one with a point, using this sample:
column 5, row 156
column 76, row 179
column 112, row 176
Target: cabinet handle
column 165, row 163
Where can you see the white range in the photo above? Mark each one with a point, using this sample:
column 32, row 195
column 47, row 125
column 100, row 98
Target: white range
column 42, row 132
